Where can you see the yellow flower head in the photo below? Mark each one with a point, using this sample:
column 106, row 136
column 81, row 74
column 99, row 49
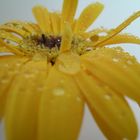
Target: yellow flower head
column 57, row 66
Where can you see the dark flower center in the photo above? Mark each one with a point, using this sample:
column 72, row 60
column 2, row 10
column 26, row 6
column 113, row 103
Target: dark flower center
column 49, row 41
column 49, row 45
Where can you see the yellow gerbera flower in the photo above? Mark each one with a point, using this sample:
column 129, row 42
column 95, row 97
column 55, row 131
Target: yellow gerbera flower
column 57, row 66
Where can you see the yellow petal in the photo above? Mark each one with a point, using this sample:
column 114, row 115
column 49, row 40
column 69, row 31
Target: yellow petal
column 56, row 23
column 123, row 38
column 118, row 29
column 24, row 25
column 94, row 33
column 66, row 38
column 9, row 67
column 13, row 49
column 68, row 11
column 35, row 27
column 68, row 63
column 61, row 108
column 88, row 16
column 115, row 68
column 21, row 116
column 117, row 39
column 43, row 18
column 73, row 26
column 109, row 106
column 9, row 27
column 8, row 36
column 3, row 49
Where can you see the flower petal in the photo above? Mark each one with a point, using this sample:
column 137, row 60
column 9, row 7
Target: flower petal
column 9, row 67
column 9, row 36
column 118, row 29
column 115, row 68
column 9, row 27
column 88, row 16
column 94, row 32
column 21, row 116
column 35, row 27
column 56, row 23
column 66, row 38
column 122, row 38
column 3, row 49
column 61, row 108
column 109, row 107
column 69, row 63
column 12, row 35
column 10, row 48
column 117, row 39
column 42, row 16
column 25, row 26
column 68, row 11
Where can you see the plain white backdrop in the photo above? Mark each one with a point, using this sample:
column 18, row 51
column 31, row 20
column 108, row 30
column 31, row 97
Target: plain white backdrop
column 114, row 13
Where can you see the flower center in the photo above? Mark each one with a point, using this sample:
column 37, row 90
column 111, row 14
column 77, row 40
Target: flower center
column 49, row 45
column 49, row 41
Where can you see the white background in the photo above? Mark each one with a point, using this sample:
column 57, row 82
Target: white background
column 115, row 12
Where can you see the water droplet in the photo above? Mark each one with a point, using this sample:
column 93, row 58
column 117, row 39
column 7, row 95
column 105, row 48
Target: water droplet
column 118, row 49
column 102, row 34
column 125, row 66
column 129, row 62
column 108, row 97
column 18, row 64
column 121, row 116
column 40, row 89
column 58, row 91
column 95, row 38
column 115, row 60
column 89, row 49
column 12, row 72
column 69, row 63
column 78, row 99
column 4, row 81
column 28, row 75
column 6, row 65
column 62, row 81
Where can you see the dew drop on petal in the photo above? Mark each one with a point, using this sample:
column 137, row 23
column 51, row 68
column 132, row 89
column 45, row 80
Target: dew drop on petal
column 129, row 62
column 18, row 64
column 28, row 75
column 40, row 89
column 11, row 72
column 115, row 60
column 36, row 71
column 4, row 65
column 125, row 138
column 89, row 49
column 4, row 81
column 122, row 115
column 69, row 63
column 125, row 66
column 58, row 91
column 108, row 97
column 78, row 99
column 62, row 81
column 102, row 34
